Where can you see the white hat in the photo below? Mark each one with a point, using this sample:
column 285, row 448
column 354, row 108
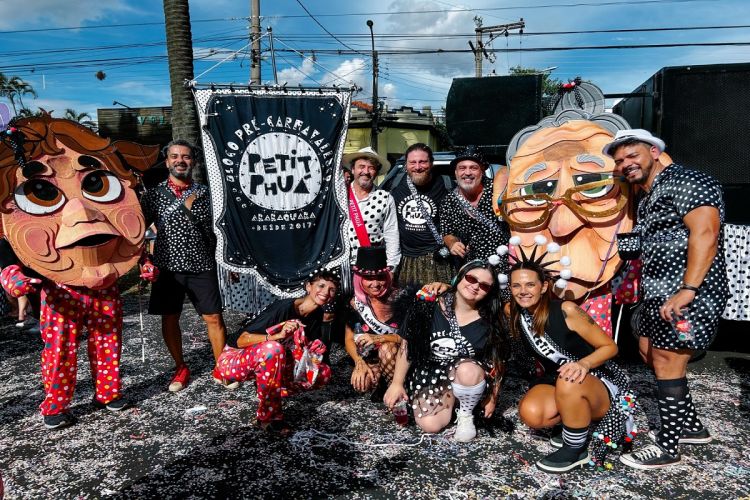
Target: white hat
column 370, row 153
column 637, row 134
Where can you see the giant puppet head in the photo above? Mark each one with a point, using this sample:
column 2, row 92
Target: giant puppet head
column 68, row 205
column 559, row 184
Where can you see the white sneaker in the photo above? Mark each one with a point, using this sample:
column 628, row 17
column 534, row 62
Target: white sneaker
column 465, row 430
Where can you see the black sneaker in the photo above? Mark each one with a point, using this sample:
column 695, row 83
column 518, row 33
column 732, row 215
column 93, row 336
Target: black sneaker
column 59, row 421
column 115, row 405
column 555, row 440
column 701, row 436
column 564, row 459
column 650, row 457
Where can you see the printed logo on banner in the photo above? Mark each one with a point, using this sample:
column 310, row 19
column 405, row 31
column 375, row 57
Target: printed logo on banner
column 282, row 172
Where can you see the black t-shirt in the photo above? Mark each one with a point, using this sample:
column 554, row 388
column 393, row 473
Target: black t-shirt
column 416, row 237
column 445, row 346
column 275, row 313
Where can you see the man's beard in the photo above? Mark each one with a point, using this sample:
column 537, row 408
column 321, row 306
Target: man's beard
column 365, row 183
column 420, row 179
column 184, row 176
column 469, row 186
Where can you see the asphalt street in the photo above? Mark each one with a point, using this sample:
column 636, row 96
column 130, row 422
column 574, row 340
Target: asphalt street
column 201, row 442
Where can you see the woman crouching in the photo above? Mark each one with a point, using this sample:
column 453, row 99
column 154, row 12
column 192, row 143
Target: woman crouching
column 452, row 349
column 371, row 335
column 268, row 345
column 579, row 384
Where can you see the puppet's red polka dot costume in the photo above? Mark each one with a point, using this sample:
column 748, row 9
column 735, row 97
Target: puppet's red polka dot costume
column 65, row 312
column 272, row 367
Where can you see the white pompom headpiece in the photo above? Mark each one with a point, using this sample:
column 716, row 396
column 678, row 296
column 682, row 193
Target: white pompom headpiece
column 545, row 248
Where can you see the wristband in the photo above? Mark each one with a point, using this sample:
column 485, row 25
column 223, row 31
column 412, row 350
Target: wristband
column 689, row 287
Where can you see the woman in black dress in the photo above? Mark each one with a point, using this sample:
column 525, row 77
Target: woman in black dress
column 456, row 351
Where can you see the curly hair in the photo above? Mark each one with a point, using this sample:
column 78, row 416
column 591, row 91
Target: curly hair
column 42, row 134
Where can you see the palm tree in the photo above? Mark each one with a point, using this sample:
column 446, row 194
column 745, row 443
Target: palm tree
column 19, row 88
column 15, row 88
column 180, row 54
column 82, row 118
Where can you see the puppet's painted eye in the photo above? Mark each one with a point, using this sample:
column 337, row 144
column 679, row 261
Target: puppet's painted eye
column 594, row 192
column 38, row 197
column 547, row 187
column 101, row 186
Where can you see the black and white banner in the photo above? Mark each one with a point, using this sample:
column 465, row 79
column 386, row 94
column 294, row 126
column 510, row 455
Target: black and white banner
column 278, row 196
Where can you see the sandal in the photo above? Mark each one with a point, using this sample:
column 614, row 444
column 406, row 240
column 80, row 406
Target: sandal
column 279, row 427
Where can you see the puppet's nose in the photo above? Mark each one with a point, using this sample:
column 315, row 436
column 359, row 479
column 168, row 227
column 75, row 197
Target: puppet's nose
column 76, row 211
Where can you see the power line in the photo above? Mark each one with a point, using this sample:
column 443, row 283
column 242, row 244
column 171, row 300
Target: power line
column 323, row 27
column 362, row 14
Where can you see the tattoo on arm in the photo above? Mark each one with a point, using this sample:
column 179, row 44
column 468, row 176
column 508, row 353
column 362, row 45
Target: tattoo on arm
column 585, row 315
column 402, row 349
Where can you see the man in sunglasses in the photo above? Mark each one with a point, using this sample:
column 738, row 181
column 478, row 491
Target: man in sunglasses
column 680, row 217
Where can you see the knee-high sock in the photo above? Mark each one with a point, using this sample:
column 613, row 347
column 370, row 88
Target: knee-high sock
column 468, row 396
column 673, row 406
column 575, row 437
column 692, row 422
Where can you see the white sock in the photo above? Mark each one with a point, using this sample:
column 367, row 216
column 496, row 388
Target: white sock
column 468, row 396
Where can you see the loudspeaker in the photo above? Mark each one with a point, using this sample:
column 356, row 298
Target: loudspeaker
column 701, row 113
column 487, row 112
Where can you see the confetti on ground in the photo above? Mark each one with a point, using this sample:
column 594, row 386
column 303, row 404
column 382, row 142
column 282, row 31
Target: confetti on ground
column 202, row 442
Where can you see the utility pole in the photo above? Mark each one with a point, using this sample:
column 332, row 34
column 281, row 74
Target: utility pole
column 255, row 42
column 375, row 107
column 480, row 51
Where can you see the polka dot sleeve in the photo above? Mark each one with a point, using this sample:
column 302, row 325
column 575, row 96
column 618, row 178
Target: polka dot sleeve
column 696, row 189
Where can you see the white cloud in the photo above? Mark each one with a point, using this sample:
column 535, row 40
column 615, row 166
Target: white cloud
column 57, row 13
column 298, row 75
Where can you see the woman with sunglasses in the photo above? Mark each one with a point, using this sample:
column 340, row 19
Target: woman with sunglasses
column 453, row 349
column 578, row 383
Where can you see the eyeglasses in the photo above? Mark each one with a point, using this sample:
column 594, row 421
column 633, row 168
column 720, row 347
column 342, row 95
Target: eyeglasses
column 593, row 199
column 472, row 280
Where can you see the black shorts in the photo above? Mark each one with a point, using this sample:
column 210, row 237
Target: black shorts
column 168, row 293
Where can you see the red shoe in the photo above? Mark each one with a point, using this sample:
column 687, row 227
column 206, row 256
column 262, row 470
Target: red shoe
column 180, row 379
column 216, row 375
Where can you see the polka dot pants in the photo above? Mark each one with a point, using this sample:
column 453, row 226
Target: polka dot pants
column 65, row 311
column 266, row 362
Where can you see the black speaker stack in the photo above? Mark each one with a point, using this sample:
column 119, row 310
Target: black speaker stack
column 701, row 113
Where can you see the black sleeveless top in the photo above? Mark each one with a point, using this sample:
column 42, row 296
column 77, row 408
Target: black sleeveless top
column 567, row 339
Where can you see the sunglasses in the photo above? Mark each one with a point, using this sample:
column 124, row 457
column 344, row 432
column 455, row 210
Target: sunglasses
column 472, row 280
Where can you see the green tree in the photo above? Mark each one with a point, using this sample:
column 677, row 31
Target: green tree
column 549, row 84
column 14, row 88
column 82, row 118
column 180, row 55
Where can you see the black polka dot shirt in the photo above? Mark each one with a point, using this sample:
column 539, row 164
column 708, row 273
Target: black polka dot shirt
column 184, row 243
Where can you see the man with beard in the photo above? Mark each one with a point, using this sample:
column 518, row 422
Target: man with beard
column 184, row 256
column 424, row 258
column 372, row 213
column 680, row 218
column 469, row 226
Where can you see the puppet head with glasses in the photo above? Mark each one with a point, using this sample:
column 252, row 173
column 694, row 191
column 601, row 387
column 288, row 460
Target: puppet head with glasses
column 560, row 185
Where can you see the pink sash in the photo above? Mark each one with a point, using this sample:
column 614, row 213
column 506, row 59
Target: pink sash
column 356, row 217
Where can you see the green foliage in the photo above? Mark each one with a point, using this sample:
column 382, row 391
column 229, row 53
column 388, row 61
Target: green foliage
column 14, row 88
column 549, row 84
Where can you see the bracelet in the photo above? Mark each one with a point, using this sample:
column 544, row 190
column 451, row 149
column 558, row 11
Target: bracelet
column 689, row 287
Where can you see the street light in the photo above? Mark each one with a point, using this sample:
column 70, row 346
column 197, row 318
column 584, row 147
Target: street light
column 115, row 103
column 375, row 113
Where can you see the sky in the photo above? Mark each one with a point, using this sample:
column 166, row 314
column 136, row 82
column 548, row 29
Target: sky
column 58, row 47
